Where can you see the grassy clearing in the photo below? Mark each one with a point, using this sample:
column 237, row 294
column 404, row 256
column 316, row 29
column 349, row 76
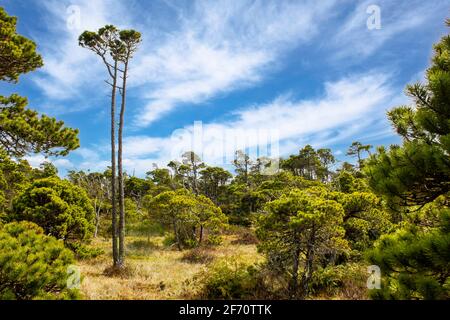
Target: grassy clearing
column 157, row 272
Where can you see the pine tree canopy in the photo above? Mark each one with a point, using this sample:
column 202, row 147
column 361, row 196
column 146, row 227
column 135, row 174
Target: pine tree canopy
column 22, row 130
column 419, row 171
column 62, row 209
column 17, row 53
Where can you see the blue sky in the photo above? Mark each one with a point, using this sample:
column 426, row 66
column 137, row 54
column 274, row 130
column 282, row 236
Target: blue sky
column 311, row 71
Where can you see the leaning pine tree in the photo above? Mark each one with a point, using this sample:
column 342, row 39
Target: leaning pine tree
column 414, row 178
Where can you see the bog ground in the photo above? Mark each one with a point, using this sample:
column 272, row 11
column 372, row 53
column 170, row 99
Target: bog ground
column 157, row 271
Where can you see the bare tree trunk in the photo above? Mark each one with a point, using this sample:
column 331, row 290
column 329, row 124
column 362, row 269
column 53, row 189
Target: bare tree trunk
column 97, row 217
column 177, row 236
column 201, row 234
column 113, row 168
column 120, row 167
column 294, row 281
column 307, row 273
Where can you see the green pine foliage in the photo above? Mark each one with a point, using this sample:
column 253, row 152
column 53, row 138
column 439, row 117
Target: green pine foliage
column 17, row 54
column 22, row 130
column 418, row 172
column 62, row 209
column 300, row 229
column 415, row 178
column 187, row 215
column 416, row 260
column 33, row 265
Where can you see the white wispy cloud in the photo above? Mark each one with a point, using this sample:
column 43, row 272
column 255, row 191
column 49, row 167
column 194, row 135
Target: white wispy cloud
column 69, row 70
column 346, row 108
column 354, row 39
column 213, row 47
column 222, row 46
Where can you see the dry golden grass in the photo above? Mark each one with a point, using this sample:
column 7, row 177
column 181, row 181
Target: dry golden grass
column 158, row 272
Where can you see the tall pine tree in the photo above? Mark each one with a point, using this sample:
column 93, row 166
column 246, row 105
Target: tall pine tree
column 415, row 177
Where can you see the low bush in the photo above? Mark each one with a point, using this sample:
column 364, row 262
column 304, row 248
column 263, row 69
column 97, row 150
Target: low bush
column 33, row 265
column 198, row 255
column 125, row 272
column 347, row 280
column 83, row 251
column 141, row 247
column 225, row 280
column 214, row 240
column 169, row 240
column 61, row 208
column 246, row 238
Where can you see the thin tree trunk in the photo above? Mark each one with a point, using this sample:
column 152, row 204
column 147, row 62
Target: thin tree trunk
column 308, row 266
column 97, row 217
column 294, row 284
column 177, row 236
column 120, row 167
column 201, row 235
column 307, row 274
column 113, row 168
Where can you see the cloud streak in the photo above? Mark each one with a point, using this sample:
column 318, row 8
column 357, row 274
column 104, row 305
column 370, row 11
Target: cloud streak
column 346, row 108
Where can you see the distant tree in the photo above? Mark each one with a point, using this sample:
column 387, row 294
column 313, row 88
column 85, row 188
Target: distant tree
column 62, row 209
column 46, row 170
column 310, row 164
column 184, row 212
column 137, row 188
column 242, row 164
column 193, row 164
column 98, row 187
column 176, row 210
column 356, row 149
column 213, row 181
column 346, row 166
column 164, row 179
column 210, row 216
column 348, row 181
column 297, row 230
column 326, row 159
column 33, row 265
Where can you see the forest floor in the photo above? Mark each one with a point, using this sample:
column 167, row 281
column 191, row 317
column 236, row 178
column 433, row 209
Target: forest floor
column 157, row 271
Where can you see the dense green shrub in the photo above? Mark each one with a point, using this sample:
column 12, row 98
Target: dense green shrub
column 416, row 258
column 298, row 230
column 62, row 209
column 349, row 281
column 33, row 265
column 83, row 251
column 198, row 255
column 228, row 281
column 189, row 216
